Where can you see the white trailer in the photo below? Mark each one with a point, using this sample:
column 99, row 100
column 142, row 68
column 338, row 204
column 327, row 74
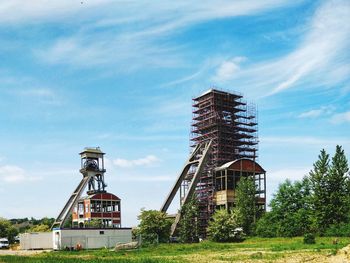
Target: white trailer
column 42, row 240
column 88, row 238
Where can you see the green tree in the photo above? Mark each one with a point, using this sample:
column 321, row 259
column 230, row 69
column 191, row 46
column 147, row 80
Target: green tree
column 154, row 226
column 337, row 189
column 94, row 223
column 290, row 208
column 7, row 230
column 222, row 226
column 245, row 206
column 48, row 221
column 320, row 198
column 266, row 225
column 39, row 228
column 189, row 227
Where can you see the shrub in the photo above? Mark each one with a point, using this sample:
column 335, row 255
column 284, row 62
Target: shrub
column 338, row 230
column 266, row 226
column 223, row 227
column 309, row 238
column 154, row 226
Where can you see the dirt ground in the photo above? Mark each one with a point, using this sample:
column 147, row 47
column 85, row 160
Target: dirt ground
column 4, row 252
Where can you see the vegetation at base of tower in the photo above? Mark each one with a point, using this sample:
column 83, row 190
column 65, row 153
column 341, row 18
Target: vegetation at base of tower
column 7, row 230
column 318, row 204
column 223, row 227
column 93, row 223
column 290, row 211
column 245, row 209
column 154, row 227
column 189, row 224
column 250, row 250
column 39, row 228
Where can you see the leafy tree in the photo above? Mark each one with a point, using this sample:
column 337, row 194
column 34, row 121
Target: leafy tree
column 189, row 226
column 154, row 226
column 245, row 207
column 68, row 223
column 94, row 223
column 48, row 221
column 266, row 225
column 222, row 226
column 290, row 208
column 7, row 230
column 39, row 228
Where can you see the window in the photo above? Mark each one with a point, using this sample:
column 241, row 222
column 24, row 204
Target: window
column 102, row 232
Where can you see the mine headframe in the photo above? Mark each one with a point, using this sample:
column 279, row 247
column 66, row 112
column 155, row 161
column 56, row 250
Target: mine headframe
column 92, row 169
column 190, row 175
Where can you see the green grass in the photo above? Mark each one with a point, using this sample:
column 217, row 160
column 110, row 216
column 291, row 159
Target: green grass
column 253, row 249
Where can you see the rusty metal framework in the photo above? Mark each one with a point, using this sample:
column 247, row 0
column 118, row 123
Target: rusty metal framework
column 231, row 124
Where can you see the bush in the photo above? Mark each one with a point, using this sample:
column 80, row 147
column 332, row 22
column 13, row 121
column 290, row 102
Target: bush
column 154, row 227
column 39, row 228
column 309, row 238
column 266, row 227
column 338, row 230
column 223, row 228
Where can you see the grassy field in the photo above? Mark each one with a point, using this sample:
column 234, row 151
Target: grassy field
column 251, row 250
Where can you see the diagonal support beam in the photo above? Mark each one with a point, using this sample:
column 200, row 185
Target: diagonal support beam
column 201, row 164
column 72, row 201
column 179, row 180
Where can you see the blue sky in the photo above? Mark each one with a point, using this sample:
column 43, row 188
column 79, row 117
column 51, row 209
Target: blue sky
column 121, row 75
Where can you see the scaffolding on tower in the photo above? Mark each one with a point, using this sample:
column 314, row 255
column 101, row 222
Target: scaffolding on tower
column 231, row 124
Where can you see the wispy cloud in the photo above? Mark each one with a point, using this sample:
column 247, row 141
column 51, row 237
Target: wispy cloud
column 304, row 140
column 15, row 174
column 149, row 160
column 146, row 42
column 42, row 95
column 146, row 178
column 276, row 177
column 339, row 118
column 320, row 59
column 17, row 11
column 323, row 111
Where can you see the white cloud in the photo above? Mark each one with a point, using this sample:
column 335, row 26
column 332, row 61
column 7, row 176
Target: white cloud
column 15, row 174
column 120, row 32
column 149, row 160
column 17, row 11
column 341, row 117
column 275, row 177
column 304, row 140
column 228, row 69
column 295, row 173
column 319, row 60
column 146, row 178
column 325, row 110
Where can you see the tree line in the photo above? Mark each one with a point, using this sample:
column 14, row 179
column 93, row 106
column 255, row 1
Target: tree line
column 319, row 204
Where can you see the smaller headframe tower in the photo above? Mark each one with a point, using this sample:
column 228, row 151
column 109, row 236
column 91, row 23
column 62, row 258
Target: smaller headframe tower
column 98, row 203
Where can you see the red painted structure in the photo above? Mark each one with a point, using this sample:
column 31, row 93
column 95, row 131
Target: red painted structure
column 102, row 206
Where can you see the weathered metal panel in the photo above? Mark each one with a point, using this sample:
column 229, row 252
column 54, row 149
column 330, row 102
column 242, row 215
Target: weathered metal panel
column 36, row 240
column 91, row 238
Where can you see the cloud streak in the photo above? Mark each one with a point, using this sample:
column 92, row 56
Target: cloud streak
column 14, row 175
column 149, row 160
column 339, row 118
column 319, row 60
column 323, row 111
column 139, row 38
